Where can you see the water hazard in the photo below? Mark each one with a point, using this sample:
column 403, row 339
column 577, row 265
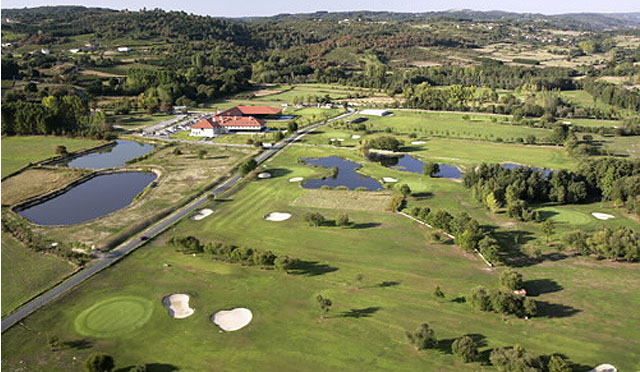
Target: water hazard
column 110, row 157
column 345, row 175
column 94, row 198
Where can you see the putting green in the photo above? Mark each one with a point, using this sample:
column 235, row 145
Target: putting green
column 561, row 215
column 114, row 316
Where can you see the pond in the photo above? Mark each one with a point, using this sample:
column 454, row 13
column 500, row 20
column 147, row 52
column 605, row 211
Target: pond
column 110, row 157
column 346, row 175
column 547, row 172
column 94, row 198
column 408, row 163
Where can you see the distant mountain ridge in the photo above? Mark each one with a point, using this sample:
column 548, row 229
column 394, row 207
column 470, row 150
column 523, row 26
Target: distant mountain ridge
column 595, row 21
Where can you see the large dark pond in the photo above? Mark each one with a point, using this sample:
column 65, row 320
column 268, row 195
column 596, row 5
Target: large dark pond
column 110, row 157
column 547, row 172
column 346, row 175
column 95, row 198
column 408, row 163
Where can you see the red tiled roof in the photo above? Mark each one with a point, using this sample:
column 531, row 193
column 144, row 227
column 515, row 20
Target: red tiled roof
column 205, row 124
column 239, row 121
column 251, row 110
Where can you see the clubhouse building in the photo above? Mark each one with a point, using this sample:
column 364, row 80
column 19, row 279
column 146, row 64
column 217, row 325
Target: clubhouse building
column 235, row 119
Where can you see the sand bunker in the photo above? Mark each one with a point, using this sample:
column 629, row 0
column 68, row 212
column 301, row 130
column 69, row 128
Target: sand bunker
column 418, row 142
column 295, row 179
column 356, row 136
column 178, row 305
column 602, row 216
column 277, row 216
column 604, row 368
column 389, row 179
column 232, row 320
column 264, row 175
column 202, row 214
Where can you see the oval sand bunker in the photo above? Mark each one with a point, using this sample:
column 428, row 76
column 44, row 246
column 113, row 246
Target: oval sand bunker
column 602, row 216
column 296, row 179
column 232, row 320
column 418, row 142
column 277, row 216
column 178, row 305
column 264, row 175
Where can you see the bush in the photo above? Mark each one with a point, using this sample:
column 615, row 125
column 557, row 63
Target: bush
column 186, row 244
column 423, row 337
column 343, row 220
column 248, row 166
column 511, row 279
column 314, row 219
column 396, row 203
column 465, row 348
column 99, row 362
column 480, row 299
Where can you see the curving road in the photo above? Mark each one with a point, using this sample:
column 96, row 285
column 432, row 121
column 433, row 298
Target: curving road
column 158, row 228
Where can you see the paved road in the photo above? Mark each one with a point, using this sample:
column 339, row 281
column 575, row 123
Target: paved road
column 159, row 227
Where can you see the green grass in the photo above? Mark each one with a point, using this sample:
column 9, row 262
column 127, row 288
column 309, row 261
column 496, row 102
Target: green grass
column 587, row 301
column 139, row 120
column 114, row 316
column 26, row 273
column 186, row 135
column 19, row 151
column 583, row 98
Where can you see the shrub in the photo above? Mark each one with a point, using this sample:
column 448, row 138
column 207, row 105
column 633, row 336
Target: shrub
column 423, row 337
column 314, row 219
column 511, row 279
column 480, row 299
column 99, row 362
column 396, row 203
column 465, row 348
column 343, row 220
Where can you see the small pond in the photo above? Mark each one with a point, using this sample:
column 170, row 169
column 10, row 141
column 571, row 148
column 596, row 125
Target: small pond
column 112, row 156
column 547, row 172
column 346, row 175
column 94, row 198
column 408, row 163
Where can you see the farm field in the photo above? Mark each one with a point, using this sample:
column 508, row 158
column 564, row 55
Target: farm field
column 18, row 151
column 28, row 272
column 584, row 303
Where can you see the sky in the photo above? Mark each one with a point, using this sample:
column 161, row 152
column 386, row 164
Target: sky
column 226, row 8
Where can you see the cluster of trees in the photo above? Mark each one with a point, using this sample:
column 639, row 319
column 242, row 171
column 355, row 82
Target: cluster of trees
column 613, row 95
column 504, row 300
column 388, row 143
column 615, row 244
column 232, row 253
column 468, row 233
column 496, row 186
column 317, row 219
column 614, row 179
column 57, row 115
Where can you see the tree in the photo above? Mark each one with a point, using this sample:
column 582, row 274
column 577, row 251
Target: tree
column 558, row 364
column 511, row 279
column 438, row 292
column 314, row 219
column 514, row 359
column 61, row 150
column 504, row 302
column 292, row 127
column 548, row 227
column 492, row 202
column 99, row 362
column 343, row 220
column 423, row 337
column 186, row 244
column 325, row 305
column 248, row 166
column 480, row 299
column 202, row 153
column 359, row 279
column 177, row 151
column 405, row 190
column 285, row 263
column 465, row 348
column 431, row 169
column 530, row 307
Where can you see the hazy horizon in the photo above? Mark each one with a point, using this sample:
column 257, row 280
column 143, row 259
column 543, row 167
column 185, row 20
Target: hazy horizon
column 252, row 8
